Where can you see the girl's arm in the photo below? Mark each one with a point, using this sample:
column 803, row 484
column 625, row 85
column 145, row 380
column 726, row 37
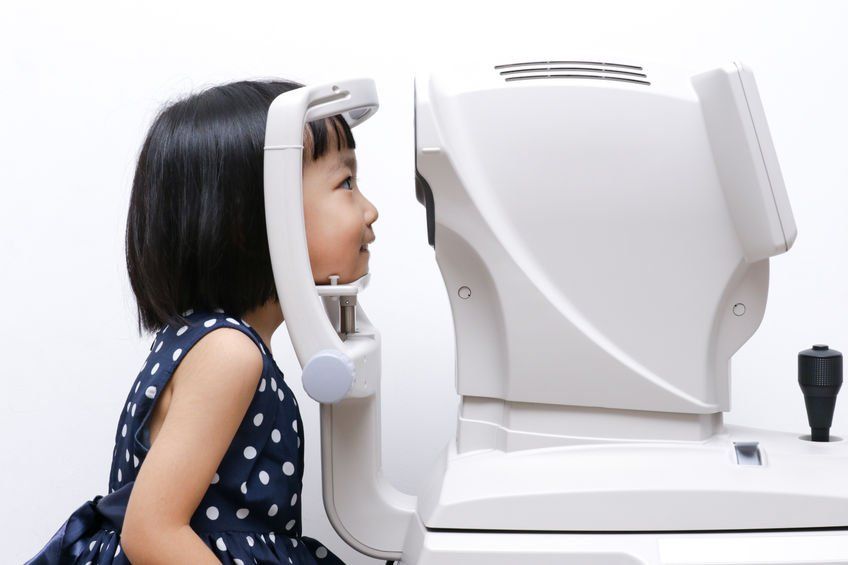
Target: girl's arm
column 212, row 389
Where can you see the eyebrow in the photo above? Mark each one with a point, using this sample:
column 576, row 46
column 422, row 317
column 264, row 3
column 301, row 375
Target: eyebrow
column 349, row 161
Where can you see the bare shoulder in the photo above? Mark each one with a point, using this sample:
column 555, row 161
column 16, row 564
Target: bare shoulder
column 224, row 354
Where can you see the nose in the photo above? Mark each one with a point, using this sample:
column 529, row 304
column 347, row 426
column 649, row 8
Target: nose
column 371, row 213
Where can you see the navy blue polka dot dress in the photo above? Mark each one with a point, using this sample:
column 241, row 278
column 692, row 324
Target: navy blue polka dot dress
column 251, row 512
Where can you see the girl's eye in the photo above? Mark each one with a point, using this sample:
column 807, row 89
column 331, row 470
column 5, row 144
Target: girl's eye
column 348, row 180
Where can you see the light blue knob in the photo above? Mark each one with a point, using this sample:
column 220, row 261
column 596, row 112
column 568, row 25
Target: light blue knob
column 328, row 376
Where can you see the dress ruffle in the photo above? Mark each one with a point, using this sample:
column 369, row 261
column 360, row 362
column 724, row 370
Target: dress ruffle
column 267, row 548
column 231, row 548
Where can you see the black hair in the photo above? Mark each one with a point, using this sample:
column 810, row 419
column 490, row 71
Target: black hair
column 196, row 234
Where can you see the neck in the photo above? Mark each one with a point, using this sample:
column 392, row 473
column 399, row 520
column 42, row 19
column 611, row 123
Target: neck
column 265, row 320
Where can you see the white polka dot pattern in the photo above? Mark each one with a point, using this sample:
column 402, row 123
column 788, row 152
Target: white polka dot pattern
column 252, row 499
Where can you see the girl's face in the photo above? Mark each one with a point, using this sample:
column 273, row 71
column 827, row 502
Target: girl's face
column 338, row 217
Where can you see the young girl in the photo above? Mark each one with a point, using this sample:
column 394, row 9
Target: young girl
column 208, row 458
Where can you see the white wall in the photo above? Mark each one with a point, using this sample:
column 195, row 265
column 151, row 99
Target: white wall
column 80, row 84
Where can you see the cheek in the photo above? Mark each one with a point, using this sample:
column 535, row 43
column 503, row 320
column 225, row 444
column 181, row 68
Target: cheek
column 333, row 237
column 332, row 228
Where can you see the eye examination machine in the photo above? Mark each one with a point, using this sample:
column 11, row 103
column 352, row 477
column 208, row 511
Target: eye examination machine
column 604, row 232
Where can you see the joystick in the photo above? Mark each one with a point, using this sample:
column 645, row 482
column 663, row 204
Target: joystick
column 820, row 377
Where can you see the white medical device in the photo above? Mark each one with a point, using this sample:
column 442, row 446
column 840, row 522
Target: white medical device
column 604, row 233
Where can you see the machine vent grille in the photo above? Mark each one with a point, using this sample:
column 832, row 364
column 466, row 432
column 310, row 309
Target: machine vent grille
column 573, row 69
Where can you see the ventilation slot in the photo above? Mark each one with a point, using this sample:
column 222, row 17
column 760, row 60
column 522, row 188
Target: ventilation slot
column 573, row 69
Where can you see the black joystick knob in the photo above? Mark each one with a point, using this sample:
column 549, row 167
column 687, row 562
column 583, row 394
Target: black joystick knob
column 820, row 377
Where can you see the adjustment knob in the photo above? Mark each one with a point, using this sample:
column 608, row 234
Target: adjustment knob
column 820, row 378
column 328, row 376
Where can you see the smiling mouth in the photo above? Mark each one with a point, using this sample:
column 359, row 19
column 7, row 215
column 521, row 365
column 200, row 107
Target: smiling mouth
column 364, row 248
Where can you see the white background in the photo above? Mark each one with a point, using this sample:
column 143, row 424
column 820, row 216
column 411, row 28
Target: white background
column 80, row 84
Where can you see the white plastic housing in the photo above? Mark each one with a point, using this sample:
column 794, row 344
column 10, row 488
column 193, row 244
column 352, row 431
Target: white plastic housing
column 607, row 231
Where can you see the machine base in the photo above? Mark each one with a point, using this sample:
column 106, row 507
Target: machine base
column 742, row 479
column 427, row 547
